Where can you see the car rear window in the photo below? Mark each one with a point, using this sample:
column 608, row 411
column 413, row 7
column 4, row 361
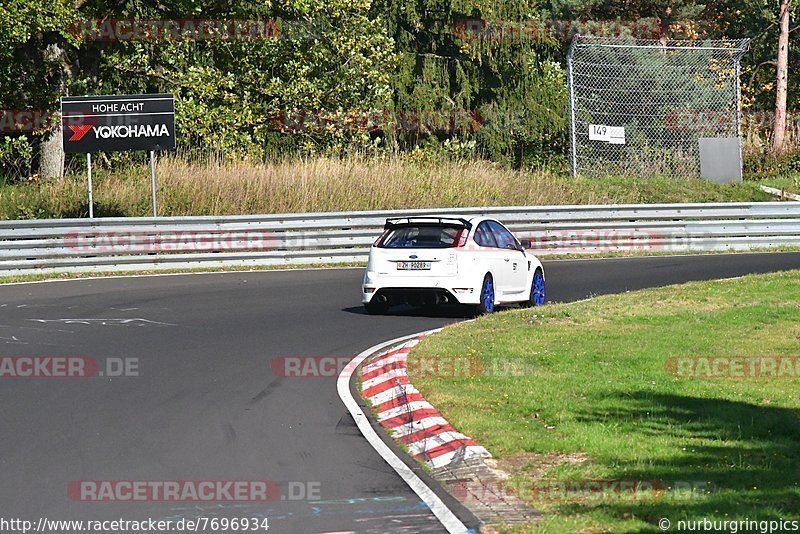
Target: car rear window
column 421, row 236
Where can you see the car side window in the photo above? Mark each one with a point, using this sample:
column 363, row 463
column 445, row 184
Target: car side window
column 502, row 236
column 484, row 237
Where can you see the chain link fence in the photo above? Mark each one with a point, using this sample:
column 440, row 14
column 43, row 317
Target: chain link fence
column 640, row 107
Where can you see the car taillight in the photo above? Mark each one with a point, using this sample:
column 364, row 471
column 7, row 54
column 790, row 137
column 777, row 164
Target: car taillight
column 462, row 237
column 375, row 244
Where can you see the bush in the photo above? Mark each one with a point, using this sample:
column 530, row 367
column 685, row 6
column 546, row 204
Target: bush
column 16, row 158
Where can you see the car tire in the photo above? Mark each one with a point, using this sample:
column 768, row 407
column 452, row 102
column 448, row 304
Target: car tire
column 486, row 305
column 537, row 295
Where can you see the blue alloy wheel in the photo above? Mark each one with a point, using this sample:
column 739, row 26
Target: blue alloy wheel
column 537, row 291
column 487, row 296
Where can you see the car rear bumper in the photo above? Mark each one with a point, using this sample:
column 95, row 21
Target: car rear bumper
column 416, row 296
column 418, row 291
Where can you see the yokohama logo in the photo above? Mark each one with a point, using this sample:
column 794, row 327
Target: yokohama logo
column 79, row 131
column 121, row 131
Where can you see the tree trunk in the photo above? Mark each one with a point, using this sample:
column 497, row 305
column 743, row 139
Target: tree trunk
column 51, row 155
column 663, row 27
column 779, row 126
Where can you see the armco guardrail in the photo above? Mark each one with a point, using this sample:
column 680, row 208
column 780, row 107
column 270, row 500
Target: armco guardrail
column 127, row 244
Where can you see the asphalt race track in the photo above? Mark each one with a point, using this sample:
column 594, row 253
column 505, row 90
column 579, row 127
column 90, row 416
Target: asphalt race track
column 206, row 404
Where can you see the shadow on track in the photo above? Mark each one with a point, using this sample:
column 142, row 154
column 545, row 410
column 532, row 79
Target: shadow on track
column 445, row 312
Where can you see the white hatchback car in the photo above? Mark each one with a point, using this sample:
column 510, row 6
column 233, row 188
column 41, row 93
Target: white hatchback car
column 426, row 261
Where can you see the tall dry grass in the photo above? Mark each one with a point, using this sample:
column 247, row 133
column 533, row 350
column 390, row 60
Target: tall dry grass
column 332, row 184
column 757, row 147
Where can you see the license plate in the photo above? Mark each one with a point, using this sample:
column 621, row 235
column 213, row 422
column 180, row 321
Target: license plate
column 413, row 266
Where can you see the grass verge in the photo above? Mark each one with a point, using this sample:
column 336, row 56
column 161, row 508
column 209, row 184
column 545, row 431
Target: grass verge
column 351, row 183
column 594, row 397
column 40, row 277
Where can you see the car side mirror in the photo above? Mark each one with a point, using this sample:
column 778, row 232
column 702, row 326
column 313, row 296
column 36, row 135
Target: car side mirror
column 526, row 244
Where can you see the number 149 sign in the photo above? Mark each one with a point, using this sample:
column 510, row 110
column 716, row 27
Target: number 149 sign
column 609, row 134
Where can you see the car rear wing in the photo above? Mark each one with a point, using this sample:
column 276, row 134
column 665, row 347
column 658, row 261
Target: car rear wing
column 456, row 222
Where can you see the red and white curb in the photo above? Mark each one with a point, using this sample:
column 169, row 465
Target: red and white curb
column 446, row 516
column 407, row 416
column 411, row 420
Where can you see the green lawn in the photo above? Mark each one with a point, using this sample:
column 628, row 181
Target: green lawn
column 592, row 383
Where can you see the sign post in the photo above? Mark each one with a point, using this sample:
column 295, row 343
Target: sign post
column 89, row 177
column 153, row 181
column 111, row 123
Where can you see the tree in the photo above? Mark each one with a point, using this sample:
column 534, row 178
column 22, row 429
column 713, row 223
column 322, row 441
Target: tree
column 34, row 69
column 329, row 55
column 781, row 84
